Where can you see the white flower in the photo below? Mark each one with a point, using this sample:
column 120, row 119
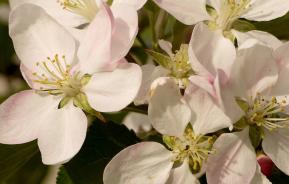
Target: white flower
column 137, row 122
column 63, row 75
column 224, row 13
column 184, row 133
column 259, row 84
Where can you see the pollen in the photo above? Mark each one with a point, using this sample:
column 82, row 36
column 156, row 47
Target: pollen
column 55, row 77
column 85, row 8
column 191, row 147
column 268, row 113
column 230, row 11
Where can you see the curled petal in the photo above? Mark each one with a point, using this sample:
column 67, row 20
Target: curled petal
column 168, row 112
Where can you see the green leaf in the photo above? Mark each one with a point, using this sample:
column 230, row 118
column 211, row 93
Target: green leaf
column 243, row 25
column 13, row 157
column 103, row 142
column 160, row 58
column 278, row 27
column 63, row 177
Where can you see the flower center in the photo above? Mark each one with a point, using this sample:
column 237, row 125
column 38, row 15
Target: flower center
column 267, row 113
column 56, row 78
column 180, row 67
column 230, row 11
column 192, row 147
column 85, row 8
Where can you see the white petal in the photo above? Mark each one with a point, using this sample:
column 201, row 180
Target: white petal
column 254, row 71
column 216, row 4
column 208, row 116
column 234, row 160
column 61, row 138
column 281, row 55
column 186, row 11
column 150, row 73
column 142, row 163
column 137, row 122
column 226, row 97
column 137, row 4
column 276, row 146
column 125, row 30
column 23, row 114
column 95, row 48
column 265, row 10
column 256, row 37
column 182, row 175
column 37, row 36
column 55, row 10
column 167, row 111
column 112, row 91
column 211, row 50
column 259, row 178
column 204, row 83
column 167, row 47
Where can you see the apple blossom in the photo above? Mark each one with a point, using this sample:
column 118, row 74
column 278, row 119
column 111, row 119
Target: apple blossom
column 184, row 123
column 222, row 14
column 63, row 76
column 260, row 90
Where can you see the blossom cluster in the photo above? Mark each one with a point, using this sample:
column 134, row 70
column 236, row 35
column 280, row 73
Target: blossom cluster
column 217, row 102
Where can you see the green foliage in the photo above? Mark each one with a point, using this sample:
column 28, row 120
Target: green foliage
column 103, row 142
column 63, row 177
column 17, row 162
column 160, row 58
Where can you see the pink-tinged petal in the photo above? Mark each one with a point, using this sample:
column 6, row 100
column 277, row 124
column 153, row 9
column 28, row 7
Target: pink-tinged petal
column 125, row 30
column 182, row 175
column 62, row 137
column 150, row 73
column 113, row 91
column 37, row 36
column 137, row 4
column 211, row 49
column 167, row 47
column 254, row 71
column 137, row 122
column 234, row 160
column 265, row 10
column 250, row 38
column 23, row 114
column 203, row 83
column 259, row 178
column 281, row 56
column 55, row 10
column 276, row 146
column 226, row 97
column 208, row 116
column 95, row 48
column 142, row 163
column 168, row 112
column 186, row 11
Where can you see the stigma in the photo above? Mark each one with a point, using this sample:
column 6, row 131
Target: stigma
column 54, row 77
column 85, row 8
column 267, row 113
column 191, row 147
column 180, row 67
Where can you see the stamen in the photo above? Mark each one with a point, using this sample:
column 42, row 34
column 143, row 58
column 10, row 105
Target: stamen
column 85, row 8
column 195, row 148
column 266, row 113
column 56, row 78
